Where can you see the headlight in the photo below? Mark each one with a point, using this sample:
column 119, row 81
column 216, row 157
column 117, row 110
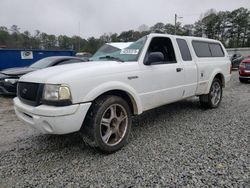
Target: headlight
column 243, row 65
column 11, row 80
column 56, row 94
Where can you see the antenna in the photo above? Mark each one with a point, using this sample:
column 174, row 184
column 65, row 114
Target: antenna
column 175, row 22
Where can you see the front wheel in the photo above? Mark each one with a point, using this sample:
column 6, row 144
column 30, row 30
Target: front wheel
column 213, row 98
column 108, row 123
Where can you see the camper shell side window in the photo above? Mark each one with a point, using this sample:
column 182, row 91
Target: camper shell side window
column 207, row 49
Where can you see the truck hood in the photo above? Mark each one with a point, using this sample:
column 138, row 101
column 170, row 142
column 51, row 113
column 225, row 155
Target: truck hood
column 18, row 71
column 65, row 73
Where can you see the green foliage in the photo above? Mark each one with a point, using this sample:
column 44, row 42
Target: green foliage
column 231, row 28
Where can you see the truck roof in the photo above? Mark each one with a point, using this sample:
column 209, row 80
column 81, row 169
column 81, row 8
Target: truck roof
column 184, row 37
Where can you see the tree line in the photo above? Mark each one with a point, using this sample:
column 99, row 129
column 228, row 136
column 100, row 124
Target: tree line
column 232, row 28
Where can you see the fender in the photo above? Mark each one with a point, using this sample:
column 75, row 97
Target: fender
column 115, row 85
column 216, row 71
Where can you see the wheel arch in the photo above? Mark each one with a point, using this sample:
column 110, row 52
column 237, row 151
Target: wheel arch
column 118, row 89
column 220, row 76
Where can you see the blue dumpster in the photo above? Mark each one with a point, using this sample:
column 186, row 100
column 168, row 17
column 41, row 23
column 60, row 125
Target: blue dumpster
column 20, row 58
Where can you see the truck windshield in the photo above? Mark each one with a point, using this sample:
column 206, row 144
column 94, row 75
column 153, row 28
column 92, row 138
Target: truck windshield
column 106, row 48
column 131, row 53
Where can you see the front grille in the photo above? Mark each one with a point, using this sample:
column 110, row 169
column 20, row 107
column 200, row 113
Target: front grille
column 30, row 93
column 247, row 66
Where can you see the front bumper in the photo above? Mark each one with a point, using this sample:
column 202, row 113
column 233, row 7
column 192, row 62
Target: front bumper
column 244, row 77
column 51, row 119
column 244, row 74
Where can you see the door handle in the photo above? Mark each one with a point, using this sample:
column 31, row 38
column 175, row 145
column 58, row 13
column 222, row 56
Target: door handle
column 179, row 69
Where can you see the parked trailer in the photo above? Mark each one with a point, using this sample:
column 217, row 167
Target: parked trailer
column 20, row 58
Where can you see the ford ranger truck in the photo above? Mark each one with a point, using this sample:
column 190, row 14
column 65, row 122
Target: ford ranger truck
column 99, row 97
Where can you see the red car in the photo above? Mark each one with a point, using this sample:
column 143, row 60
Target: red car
column 244, row 70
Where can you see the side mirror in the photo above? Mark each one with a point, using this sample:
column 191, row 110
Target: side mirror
column 154, row 57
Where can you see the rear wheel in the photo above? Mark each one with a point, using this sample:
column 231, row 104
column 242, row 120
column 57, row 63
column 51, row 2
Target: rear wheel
column 108, row 123
column 213, row 98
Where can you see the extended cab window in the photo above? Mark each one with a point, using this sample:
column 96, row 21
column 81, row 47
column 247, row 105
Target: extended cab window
column 185, row 52
column 164, row 46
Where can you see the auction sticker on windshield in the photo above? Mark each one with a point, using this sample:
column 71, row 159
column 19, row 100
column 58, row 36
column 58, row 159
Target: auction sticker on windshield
column 130, row 51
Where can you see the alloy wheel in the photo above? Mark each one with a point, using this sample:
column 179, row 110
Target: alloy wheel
column 114, row 124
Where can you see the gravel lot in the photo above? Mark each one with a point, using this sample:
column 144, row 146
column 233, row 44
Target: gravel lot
column 175, row 145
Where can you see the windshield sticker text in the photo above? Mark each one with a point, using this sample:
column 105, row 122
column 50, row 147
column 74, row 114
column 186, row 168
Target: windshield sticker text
column 130, row 51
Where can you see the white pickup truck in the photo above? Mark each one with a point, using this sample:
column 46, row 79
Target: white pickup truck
column 98, row 98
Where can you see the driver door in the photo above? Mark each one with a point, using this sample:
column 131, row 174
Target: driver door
column 163, row 80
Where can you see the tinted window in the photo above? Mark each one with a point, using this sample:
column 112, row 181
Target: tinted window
column 216, row 50
column 185, row 53
column 164, row 46
column 201, row 49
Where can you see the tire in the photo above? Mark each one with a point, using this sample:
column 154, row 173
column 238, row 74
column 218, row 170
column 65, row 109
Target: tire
column 213, row 98
column 107, row 124
column 242, row 80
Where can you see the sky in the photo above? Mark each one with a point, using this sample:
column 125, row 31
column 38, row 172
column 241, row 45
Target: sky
column 96, row 17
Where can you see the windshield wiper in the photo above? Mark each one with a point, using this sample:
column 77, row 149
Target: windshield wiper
column 111, row 57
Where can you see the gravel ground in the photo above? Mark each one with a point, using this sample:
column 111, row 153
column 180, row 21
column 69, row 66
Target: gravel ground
column 177, row 145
